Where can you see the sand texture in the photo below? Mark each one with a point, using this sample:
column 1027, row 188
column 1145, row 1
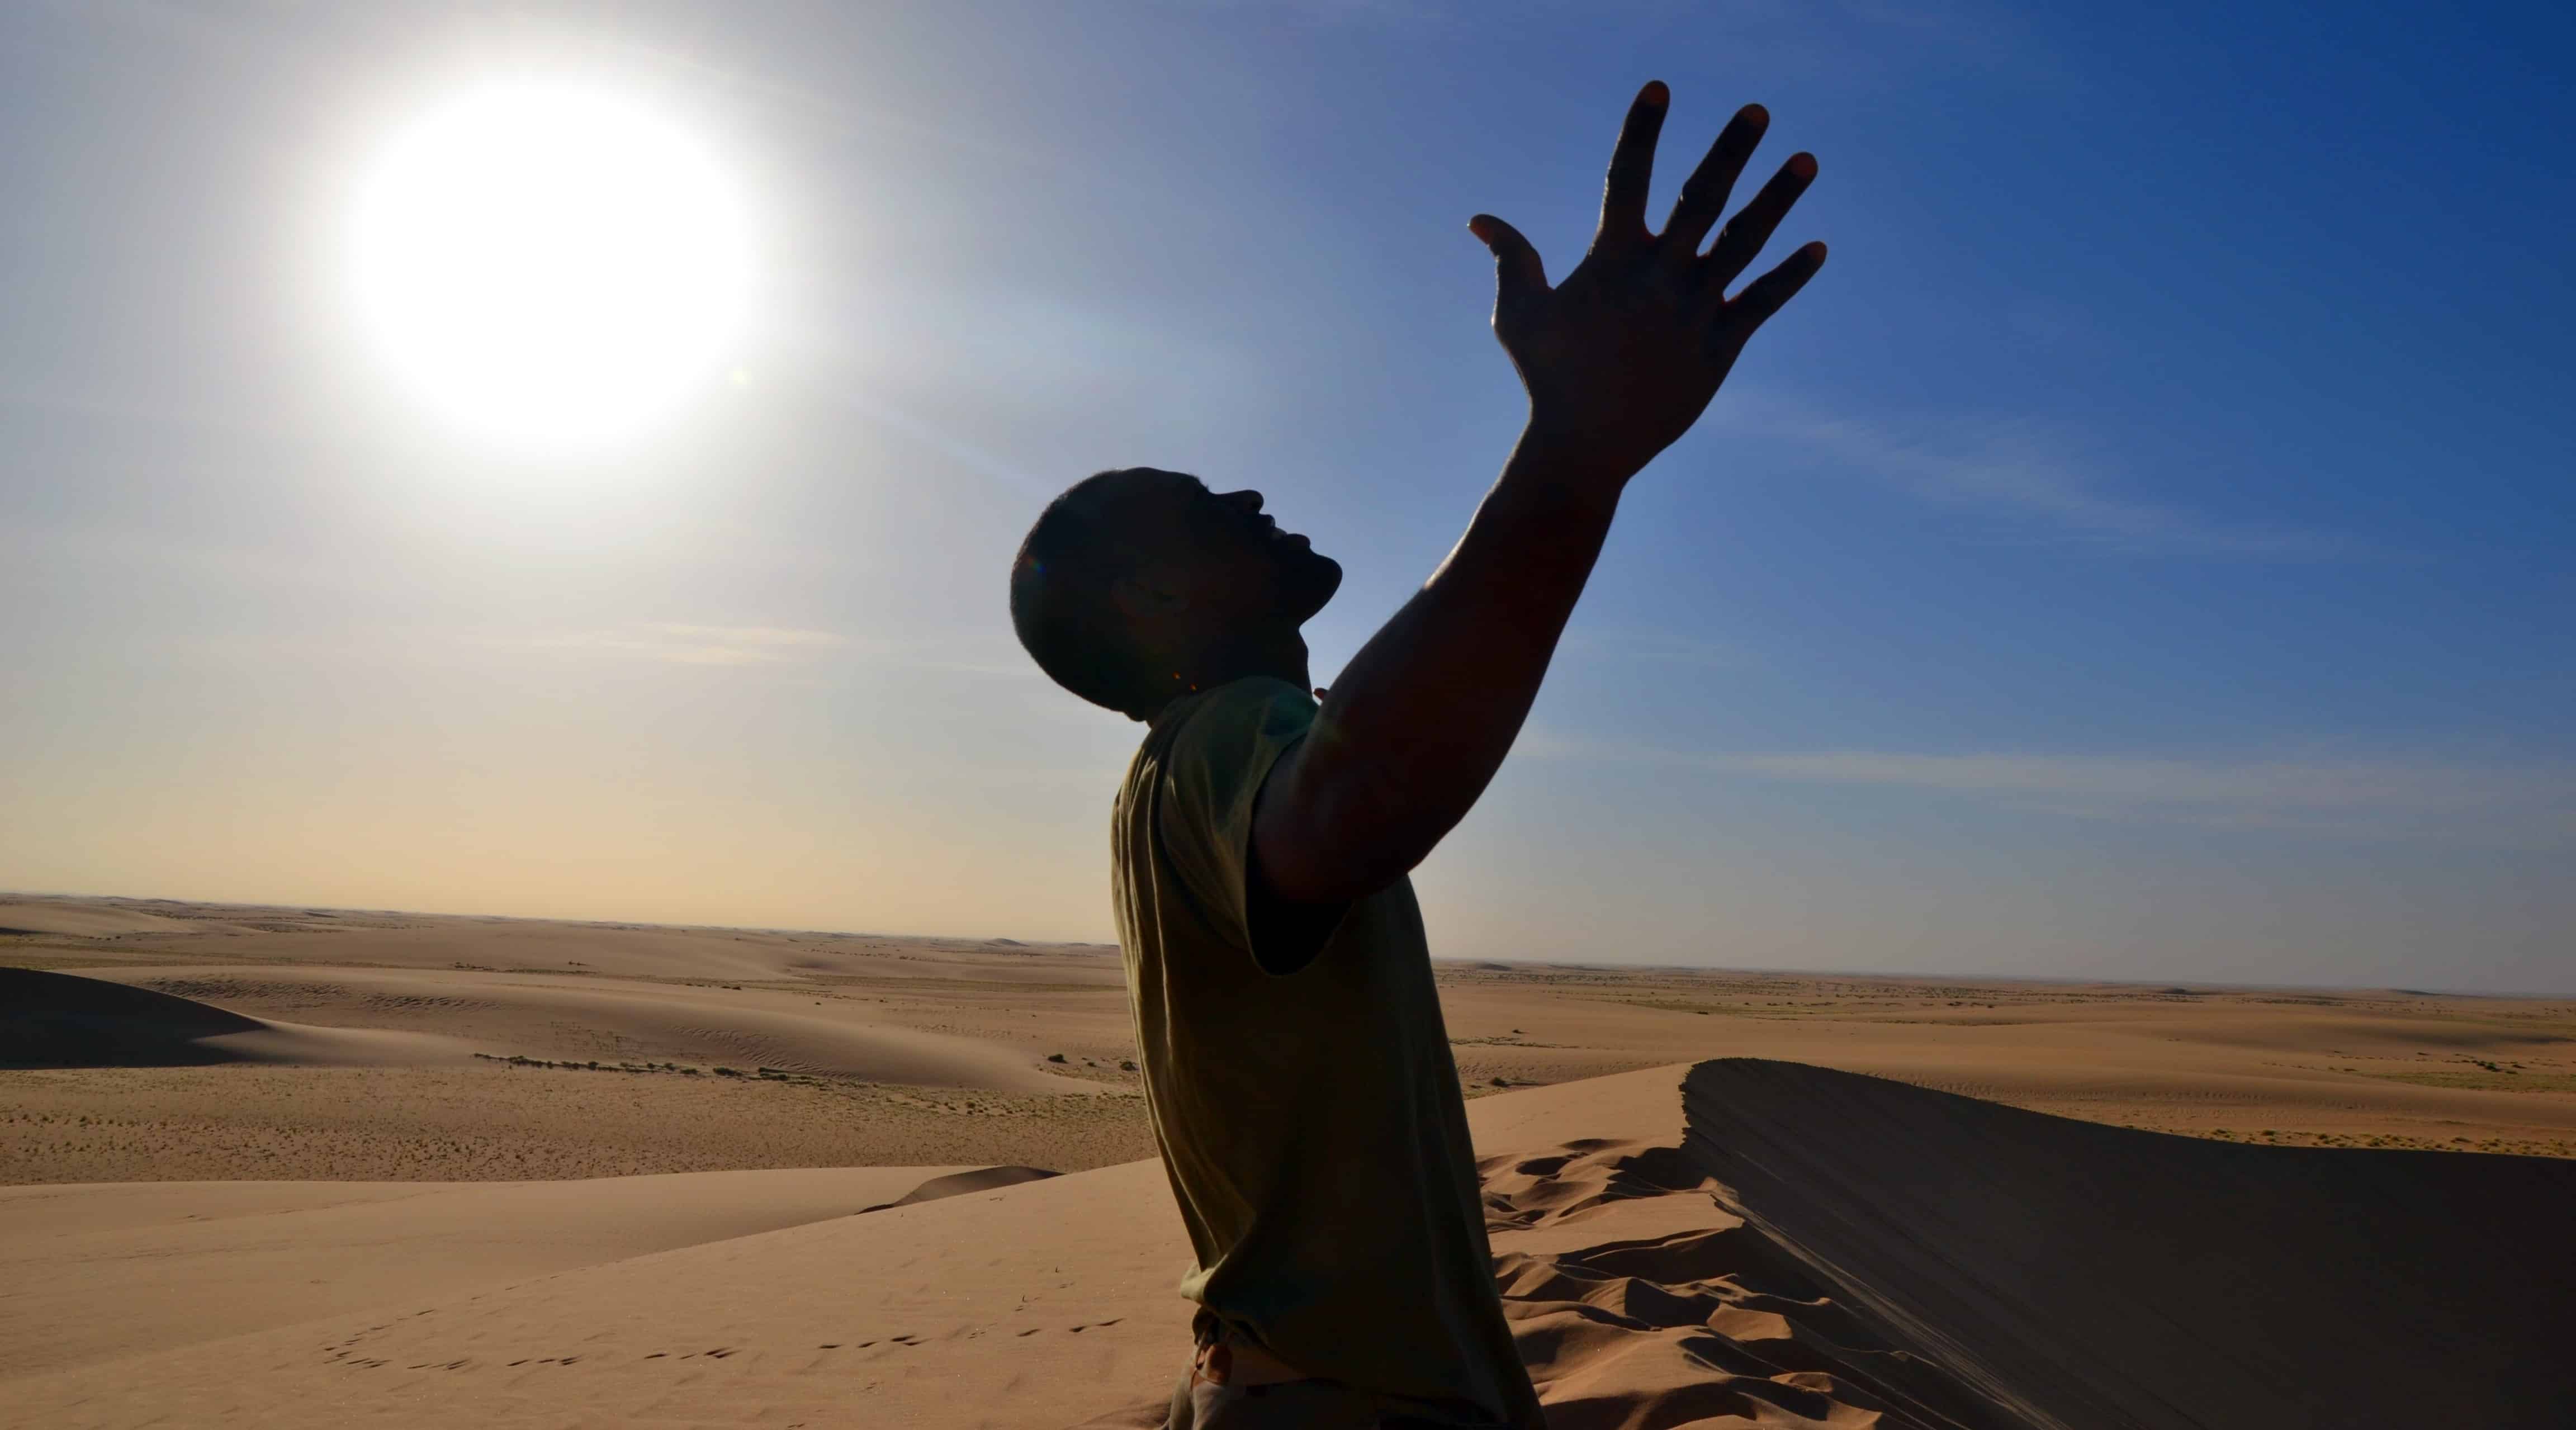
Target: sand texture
column 284, row 1167
column 2089, row 1276
column 101, row 1272
column 1994, row 1268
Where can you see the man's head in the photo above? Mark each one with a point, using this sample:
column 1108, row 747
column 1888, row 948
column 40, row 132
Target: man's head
column 1138, row 586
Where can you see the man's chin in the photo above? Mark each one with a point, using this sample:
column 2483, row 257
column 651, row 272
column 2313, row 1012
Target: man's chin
column 1318, row 577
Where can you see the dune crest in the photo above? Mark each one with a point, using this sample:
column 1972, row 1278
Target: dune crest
column 57, row 1020
column 958, row 1184
column 2099, row 1278
column 164, row 1017
column 1638, row 1300
column 77, row 918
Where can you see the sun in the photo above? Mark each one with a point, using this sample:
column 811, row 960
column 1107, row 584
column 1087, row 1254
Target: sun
column 550, row 260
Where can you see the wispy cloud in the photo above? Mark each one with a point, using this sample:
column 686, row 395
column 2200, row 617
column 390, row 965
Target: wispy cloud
column 685, row 643
column 2516, row 802
column 682, row 644
column 2030, row 472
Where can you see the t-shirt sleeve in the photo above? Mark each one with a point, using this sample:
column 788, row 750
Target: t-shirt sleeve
column 1212, row 775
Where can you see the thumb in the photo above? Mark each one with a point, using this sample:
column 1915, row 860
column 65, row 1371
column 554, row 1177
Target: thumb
column 1518, row 273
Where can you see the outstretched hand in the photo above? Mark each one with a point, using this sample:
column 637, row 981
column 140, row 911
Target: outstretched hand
column 1623, row 356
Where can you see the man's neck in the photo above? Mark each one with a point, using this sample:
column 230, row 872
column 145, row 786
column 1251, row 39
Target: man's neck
column 1281, row 657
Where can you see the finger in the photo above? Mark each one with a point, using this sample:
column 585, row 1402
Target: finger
column 1704, row 193
column 1632, row 165
column 1740, row 242
column 1518, row 272
column 1766, row 295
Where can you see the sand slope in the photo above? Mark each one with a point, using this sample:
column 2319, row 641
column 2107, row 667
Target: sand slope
column 99, row 1272
column 2097, row 1278
column 958, row 1184
column 1039, row 1304
column 1640, row 1303
column 1825, row 1249
column 58, row 1020
column 167, row 1016
column 170, row 930
column 89, row 919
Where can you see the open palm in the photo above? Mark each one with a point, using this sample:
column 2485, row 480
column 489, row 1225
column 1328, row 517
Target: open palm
column 1623, row 356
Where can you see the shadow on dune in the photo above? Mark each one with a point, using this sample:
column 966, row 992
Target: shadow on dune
column 958, row 1184
column 2097, row 1278
column 1832, row 1250
column 55, row 1020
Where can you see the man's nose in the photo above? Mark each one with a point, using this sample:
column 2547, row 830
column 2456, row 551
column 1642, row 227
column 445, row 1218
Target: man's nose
column 1250, row 501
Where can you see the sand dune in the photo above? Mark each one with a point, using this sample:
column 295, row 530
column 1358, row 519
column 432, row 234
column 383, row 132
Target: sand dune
column 162, row 1016
column 492, row 1121
column 1006, row 1308
column 167, row 930
column 57, row 1020
column 1040, row 1304
column 2374, row 1067
column 99, row 1272
column 1830, row 1249
column 958, row 1184
column 1824, row 1249
column 88, row 919
column 2088, row 1276
column 1638, row 1299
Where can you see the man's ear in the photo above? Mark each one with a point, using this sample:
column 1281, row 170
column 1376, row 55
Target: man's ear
column 1149, row 595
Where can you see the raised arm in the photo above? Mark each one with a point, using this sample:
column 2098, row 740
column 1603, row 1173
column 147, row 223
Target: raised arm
column 1618, row 361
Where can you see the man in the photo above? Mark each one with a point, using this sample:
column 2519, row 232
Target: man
column 1295, row 1064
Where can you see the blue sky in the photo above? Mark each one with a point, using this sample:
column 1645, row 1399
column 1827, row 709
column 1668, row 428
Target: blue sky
column 2141, row 553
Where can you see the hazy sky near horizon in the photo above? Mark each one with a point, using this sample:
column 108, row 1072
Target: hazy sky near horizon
column 2143, row 552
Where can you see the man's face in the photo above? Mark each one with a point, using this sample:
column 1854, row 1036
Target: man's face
column 1228, row 563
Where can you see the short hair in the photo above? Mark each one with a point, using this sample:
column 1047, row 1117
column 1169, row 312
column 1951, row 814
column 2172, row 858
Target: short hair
column 1064, row 609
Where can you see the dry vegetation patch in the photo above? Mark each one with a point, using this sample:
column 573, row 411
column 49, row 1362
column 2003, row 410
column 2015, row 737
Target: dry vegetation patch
column 497, row 1122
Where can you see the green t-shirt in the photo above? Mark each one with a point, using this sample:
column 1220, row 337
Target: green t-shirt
column 1311, row 1122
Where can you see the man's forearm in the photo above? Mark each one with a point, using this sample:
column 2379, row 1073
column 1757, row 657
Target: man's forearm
column 1618, row 361
column 1416, row 725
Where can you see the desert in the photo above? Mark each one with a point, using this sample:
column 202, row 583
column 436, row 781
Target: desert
column 318, row 1167
column 1286, row 715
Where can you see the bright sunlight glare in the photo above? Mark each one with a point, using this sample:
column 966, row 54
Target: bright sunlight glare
column 550, row 260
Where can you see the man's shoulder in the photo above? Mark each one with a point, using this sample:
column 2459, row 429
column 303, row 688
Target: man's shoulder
column 1207, row 753
column 1215, row 733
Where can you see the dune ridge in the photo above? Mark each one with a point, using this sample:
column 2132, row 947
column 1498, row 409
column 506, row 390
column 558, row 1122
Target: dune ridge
column 2100, row 1278
column 1638, row 1300
column 177, row 1017
column 59, row 1020
column 90, row 918
column 958, row 1184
